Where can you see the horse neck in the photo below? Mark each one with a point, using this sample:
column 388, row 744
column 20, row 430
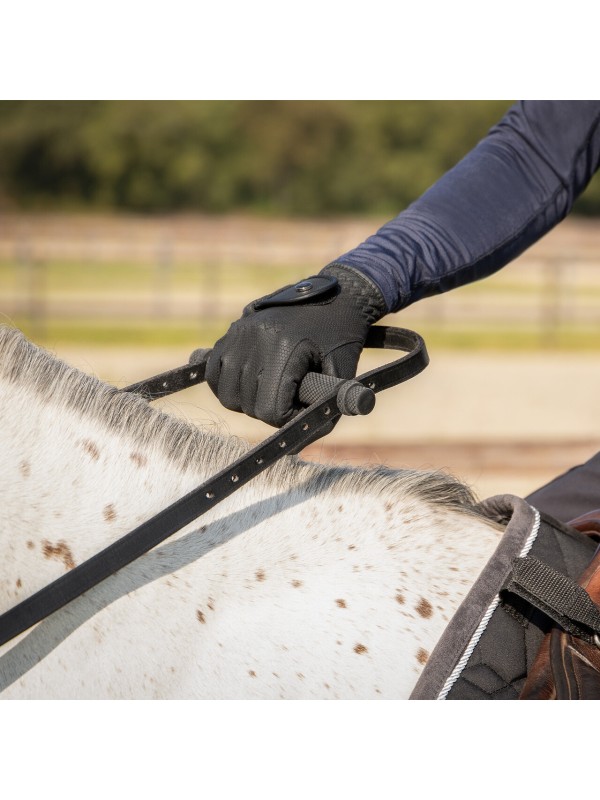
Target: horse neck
column 71, row 486
column 379, row 560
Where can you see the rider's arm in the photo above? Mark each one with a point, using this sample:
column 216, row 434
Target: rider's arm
column 512, row 188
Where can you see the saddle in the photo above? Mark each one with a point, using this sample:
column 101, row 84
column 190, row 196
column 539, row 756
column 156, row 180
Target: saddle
column 567, row 667
column 529, row 628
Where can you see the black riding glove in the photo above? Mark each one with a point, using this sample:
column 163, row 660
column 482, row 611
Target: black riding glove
column 309, row 327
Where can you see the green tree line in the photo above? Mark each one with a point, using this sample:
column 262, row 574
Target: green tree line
column 282, row 157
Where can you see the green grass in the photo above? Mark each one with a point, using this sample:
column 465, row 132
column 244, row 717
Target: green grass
column 62, row 280
column 92, row 333
column 511, row 339
column 68, row 277
column 191, row 334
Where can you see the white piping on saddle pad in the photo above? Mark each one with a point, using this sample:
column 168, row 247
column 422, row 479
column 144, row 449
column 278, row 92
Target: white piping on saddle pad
column 462, row 663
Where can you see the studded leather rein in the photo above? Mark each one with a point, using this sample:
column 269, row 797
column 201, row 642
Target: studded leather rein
column 327, row 399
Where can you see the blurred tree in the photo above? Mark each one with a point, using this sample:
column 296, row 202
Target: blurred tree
column 283, row 157
column 41, row 153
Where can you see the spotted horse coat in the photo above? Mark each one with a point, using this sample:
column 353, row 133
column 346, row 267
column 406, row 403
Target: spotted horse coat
column 491, row 644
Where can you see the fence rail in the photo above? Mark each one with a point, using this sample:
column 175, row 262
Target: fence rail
column 209, row 269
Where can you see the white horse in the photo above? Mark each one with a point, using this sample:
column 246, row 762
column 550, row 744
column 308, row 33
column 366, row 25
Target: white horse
column 310, row 582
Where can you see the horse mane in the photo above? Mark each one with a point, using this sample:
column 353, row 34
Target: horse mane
column 189, row 447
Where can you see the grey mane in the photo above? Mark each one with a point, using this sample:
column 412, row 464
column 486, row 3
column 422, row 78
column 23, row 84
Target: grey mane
column 189, row 447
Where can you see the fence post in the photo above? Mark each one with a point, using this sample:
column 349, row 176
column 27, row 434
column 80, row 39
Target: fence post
column 551, row 307
column 37, row 298
column 163, row 278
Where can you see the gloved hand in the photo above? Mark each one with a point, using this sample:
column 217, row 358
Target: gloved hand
column 260, row 362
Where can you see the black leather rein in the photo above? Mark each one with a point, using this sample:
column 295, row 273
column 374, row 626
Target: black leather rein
column 328, row 398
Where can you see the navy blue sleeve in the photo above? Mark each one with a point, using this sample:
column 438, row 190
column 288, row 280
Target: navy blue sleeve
column 512, row 188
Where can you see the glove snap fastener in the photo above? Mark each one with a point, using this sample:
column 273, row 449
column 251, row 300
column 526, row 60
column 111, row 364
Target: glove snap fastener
column 316, row 287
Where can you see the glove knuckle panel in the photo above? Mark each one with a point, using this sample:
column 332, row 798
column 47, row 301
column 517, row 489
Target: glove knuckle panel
column 257, row 366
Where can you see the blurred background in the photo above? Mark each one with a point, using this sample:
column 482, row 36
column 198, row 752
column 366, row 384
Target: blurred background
column 133, row 232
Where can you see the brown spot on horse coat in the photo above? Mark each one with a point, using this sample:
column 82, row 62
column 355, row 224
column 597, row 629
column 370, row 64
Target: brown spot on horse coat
column 424, row 608
column 201, row 617
column 296, row 584
column 25, row 469
column 30, row 545
column 422, row 655
column 252, row 673
column 360, row 648
column 109, row 513
column 341, row 603
column 400, row 598
column 60, row 551
column 19, row 583
column 260, row 575
column 91, row 449
column 138, row 459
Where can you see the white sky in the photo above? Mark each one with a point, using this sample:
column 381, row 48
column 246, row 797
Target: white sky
column 318, row 49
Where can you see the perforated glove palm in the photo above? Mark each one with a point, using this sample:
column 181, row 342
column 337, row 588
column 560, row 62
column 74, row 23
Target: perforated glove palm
column 260, row 362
